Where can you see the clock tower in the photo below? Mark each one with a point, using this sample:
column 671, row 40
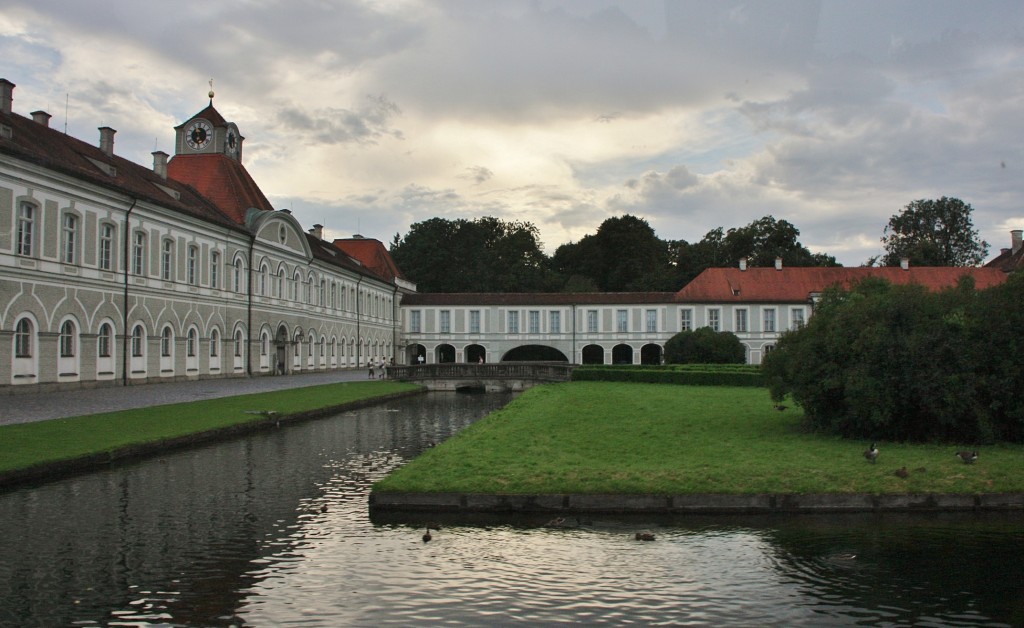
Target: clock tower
column 208, row 133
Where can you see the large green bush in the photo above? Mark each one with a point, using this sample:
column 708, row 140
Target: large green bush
column 705, row 346
column 902, row 363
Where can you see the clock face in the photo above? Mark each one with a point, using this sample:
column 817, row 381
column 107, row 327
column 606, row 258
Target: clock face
column 198, row 135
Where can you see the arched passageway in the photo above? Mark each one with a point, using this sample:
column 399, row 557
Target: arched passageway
column 650, row 354
column 622, row 354
column 593, row 354
column 534, row 353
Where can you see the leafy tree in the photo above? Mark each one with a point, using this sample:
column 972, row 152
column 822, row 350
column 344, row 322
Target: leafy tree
column 483, row 255
column 760, row 242
column 933, row 233
column 902, row 363
column 705, row 346
column 624, row 255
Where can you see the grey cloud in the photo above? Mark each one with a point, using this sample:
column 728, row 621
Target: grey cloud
column 477, row 174
column 365, row 125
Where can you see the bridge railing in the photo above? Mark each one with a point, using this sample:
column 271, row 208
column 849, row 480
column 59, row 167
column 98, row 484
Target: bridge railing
column 539, row 371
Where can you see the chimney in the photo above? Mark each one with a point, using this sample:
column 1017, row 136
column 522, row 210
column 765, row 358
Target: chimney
column 41, row 117
column 743, row 263
column 317, row 231
column 107, row 140
column 905, row 263
column 160, row 163
column 778, row 263
column 6, row 95
column 1015, row 240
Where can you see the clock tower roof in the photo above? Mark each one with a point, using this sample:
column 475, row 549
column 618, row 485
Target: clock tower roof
column 210, row 114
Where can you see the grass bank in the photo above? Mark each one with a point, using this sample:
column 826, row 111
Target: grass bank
column 612, row 438
column 31, row 445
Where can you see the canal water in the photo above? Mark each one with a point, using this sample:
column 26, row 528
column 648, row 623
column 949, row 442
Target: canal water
column 272, row 529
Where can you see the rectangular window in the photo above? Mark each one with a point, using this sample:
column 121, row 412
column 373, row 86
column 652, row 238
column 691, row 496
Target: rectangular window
column 193, row 260
column 652, row 320
column 513, row 322
column 797, row 316
column 166, row 259
column 69, row 237
column 446, row 322
column 415, row 321
column 474, row 321
column 26, row 226
column 769, row 320
column 592, row 321
column 215, row 269
column 534, row 322
column 741, row 320
column 714, row 320
column 686, row 320
column 556, row 323
column 621, row 321
column 106, row 247
column 139, row 253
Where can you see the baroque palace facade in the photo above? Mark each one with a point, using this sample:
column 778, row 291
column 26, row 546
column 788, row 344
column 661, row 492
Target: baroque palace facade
column 115, row 273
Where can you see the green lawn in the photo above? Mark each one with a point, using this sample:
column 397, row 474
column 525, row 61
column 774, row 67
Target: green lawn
column 599, row 437
column 28, row 444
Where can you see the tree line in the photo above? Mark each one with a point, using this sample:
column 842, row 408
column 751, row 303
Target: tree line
column 488, row 254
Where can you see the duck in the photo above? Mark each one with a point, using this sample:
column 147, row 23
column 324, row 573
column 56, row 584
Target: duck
column 323, row 508
column 779, row 407
column 427, row 536
column 967, row 456
column 872, row 453
column 901, row 472
column 644, row 536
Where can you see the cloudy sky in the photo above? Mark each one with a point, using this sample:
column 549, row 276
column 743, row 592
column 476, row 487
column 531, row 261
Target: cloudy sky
column 368, row 116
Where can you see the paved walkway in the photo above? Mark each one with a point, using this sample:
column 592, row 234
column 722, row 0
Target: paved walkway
column 27, row 407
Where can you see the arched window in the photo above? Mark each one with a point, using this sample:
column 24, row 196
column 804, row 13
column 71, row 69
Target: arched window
column 69, row 238
column 138, row 341
column 190, row 343
column 105, row 341
column 298, row 343
column 193, row 265
column 215, row 269
column 67, row 339
column 323, row 292
column 26, row 229
column 166, row 342
column 23, row 338
column 280, row 284
column 167, row 260
column 139, row 253
column 264, row 274
column 238, row 343
column 238, row 275
column 107, row 231
column 264, row 344
column 214, row 343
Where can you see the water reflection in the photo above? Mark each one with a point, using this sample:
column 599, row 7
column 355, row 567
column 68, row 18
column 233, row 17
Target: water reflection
column 273, row 529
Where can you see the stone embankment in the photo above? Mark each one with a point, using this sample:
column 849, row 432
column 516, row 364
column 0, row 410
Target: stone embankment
column 691, row 504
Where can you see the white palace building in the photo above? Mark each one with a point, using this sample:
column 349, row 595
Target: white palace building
column 113, row 273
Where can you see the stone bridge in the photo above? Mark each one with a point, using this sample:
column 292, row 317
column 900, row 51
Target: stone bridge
column 471, row 377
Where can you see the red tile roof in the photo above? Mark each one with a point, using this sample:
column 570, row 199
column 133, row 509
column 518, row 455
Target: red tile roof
column 795, row 285
column 221, row 179
column 372, row 254
column 537, row 298
column 1008, row 261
